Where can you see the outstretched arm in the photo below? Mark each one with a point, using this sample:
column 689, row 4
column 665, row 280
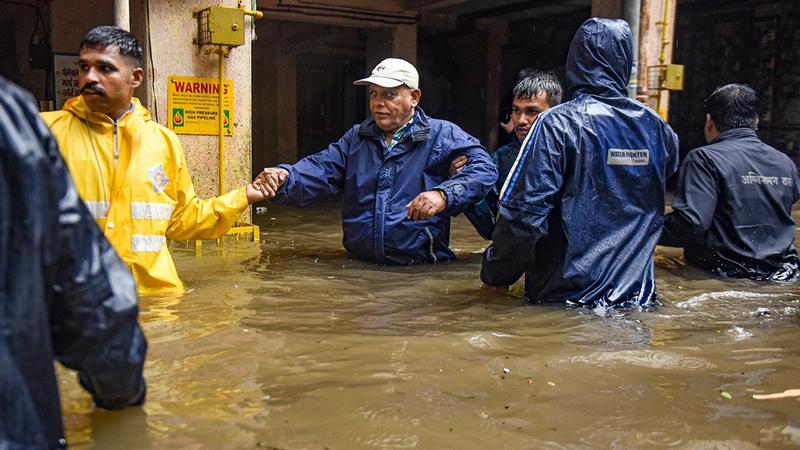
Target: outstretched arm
column 315, row 176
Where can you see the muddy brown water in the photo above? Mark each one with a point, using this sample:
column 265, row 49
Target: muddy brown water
column 295, row 346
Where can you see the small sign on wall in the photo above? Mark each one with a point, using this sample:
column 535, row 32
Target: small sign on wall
column 65, row 77
column 193, row 104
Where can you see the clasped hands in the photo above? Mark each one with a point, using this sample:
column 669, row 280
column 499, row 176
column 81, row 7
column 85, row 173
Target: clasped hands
column 266, row 184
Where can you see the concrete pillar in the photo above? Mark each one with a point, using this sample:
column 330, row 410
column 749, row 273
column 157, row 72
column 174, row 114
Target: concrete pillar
column 651, row 46
column 122, row 14
column 496, row 38
column 632, row 14
column 404, row 43
column 287, row 106
column 171, row 28
column 644, row 48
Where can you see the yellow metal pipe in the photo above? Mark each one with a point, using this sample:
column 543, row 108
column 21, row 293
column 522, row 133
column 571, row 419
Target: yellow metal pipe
column 662, row 57
column 221, row 116
column 255, row 14
column 662, row 60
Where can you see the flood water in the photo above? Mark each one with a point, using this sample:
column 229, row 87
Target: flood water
column 294, row 346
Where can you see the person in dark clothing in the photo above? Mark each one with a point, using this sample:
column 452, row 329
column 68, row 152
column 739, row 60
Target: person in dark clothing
column 64, row 292
column 732, row 212
column 582, row 209
column 392, row 171
column 533, row 94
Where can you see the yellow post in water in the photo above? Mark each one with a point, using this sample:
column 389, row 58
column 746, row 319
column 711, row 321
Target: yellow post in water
column 223, row 28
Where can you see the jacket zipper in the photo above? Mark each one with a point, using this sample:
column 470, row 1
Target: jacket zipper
column 116, row 143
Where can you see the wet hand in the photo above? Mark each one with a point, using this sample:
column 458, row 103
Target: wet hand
column 269, row 181
column 457, row 165
column 255, row 193
column 507, row 126
column 426, row 205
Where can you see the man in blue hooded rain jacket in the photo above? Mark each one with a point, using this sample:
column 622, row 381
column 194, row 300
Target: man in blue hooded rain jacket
column 585, row 200
column 392, row 171
column 64, row 292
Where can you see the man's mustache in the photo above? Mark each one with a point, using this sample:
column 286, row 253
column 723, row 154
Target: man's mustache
column 93, row 89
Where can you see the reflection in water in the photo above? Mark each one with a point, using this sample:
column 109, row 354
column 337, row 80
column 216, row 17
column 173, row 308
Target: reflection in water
column 296, row 346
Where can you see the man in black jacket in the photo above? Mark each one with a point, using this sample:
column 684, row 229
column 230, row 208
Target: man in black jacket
column 64, row 293
column 732, row 212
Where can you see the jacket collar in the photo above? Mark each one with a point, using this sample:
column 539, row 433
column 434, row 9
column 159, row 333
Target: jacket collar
column 735, row 133
column 137, row 116
column 418, row 130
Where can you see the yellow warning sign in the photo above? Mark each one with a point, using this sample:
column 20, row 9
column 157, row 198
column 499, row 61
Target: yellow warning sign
column 193, row 104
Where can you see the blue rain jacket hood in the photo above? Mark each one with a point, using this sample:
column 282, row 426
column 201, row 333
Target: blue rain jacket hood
column 64, row 293
column 376, row 184
column 582, row 210
column 600, row 59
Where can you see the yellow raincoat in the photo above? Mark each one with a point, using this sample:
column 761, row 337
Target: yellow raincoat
column 133, row 177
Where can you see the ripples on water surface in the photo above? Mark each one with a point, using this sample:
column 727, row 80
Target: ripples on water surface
column 299, row 347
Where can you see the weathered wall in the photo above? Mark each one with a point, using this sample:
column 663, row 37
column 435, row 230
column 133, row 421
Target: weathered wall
column 172, row 28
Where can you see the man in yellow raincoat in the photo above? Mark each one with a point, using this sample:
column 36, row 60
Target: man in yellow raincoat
column 131, row 171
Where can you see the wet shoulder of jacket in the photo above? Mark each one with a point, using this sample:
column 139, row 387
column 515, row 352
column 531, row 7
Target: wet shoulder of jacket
column 54, row 119
column 448, row 134
column 562, row 117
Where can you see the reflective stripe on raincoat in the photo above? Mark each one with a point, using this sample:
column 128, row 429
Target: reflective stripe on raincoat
column 132, row 175
column 583, row 207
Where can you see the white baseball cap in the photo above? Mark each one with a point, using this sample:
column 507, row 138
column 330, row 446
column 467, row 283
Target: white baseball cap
column 392, row 72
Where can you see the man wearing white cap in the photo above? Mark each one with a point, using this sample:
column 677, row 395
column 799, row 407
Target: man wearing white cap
column 392, row 172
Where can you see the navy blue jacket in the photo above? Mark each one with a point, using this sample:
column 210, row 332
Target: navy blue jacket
column 376, row 186
column 64, row 293
column 585, row 200
column 732, row 211
column 483, row 214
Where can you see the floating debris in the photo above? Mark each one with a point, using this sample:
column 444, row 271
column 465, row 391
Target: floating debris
column 551, row 383
column 762, row 311
column 726, row 394
column 789, row 393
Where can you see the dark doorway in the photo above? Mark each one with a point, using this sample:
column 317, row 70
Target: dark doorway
column 8, row 52
column 327, row 102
